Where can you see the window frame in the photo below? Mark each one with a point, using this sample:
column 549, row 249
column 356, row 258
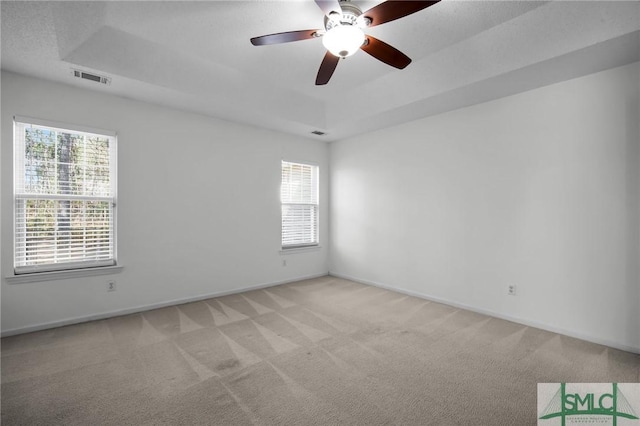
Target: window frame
column 301, row 246
column 64, row 269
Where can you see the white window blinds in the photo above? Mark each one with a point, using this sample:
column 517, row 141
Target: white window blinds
column 65, row 187
column 299, row 196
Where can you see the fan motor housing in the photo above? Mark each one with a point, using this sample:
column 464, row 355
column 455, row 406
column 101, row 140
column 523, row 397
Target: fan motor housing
column 350, row 14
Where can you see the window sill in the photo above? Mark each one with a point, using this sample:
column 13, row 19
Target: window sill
column 295, row 250
column 63, row 275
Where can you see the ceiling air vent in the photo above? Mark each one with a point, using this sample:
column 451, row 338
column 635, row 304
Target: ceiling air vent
column 91, row 77
column 317, row 132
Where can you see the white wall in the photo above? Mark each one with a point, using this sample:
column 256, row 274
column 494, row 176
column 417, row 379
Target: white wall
column 539, row 189
column 198, row 205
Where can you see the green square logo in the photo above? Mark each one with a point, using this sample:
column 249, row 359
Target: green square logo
column 562, row 404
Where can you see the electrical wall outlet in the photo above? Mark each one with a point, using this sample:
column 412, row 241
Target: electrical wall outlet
column 111, row 286
column 511, row 289
column 284, row 262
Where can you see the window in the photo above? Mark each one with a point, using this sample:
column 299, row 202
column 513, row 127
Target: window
column 64, row 190
column 299, row 195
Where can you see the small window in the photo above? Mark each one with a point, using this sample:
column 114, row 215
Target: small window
column 64, row 197
column 299, row 196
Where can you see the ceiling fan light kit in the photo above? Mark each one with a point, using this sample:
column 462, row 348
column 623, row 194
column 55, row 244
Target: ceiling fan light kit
column 344, row 24
column 343, row 40
column 344, row 34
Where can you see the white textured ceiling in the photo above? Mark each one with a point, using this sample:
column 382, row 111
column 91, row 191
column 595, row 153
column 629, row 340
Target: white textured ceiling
column 197, row 56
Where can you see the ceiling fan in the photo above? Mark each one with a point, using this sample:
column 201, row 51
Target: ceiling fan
column 343, row 34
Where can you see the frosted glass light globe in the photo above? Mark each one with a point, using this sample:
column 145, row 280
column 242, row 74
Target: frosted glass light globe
column 343, row 40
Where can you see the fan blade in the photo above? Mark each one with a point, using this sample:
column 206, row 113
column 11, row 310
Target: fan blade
column 284, row 37
column 394, row 9
column 385, row 53
column 327, row 67
column 329, row 6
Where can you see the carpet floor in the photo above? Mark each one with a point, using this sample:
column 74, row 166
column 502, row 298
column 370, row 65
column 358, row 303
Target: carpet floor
column 325, row 351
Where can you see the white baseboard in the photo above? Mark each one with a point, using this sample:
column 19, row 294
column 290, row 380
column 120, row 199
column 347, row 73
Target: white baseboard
column 523, row 321
column 142, row 308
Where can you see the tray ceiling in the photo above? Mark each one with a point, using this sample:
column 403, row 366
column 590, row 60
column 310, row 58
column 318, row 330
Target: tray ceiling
column 196, row 56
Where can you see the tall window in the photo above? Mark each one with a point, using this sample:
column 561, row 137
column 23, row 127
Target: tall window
column 64, row 189
column 299, row 195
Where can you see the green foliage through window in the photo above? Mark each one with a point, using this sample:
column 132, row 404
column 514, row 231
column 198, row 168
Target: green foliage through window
column 65, row 196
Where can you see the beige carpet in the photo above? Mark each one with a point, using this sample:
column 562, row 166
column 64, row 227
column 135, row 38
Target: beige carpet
column 322, row 351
